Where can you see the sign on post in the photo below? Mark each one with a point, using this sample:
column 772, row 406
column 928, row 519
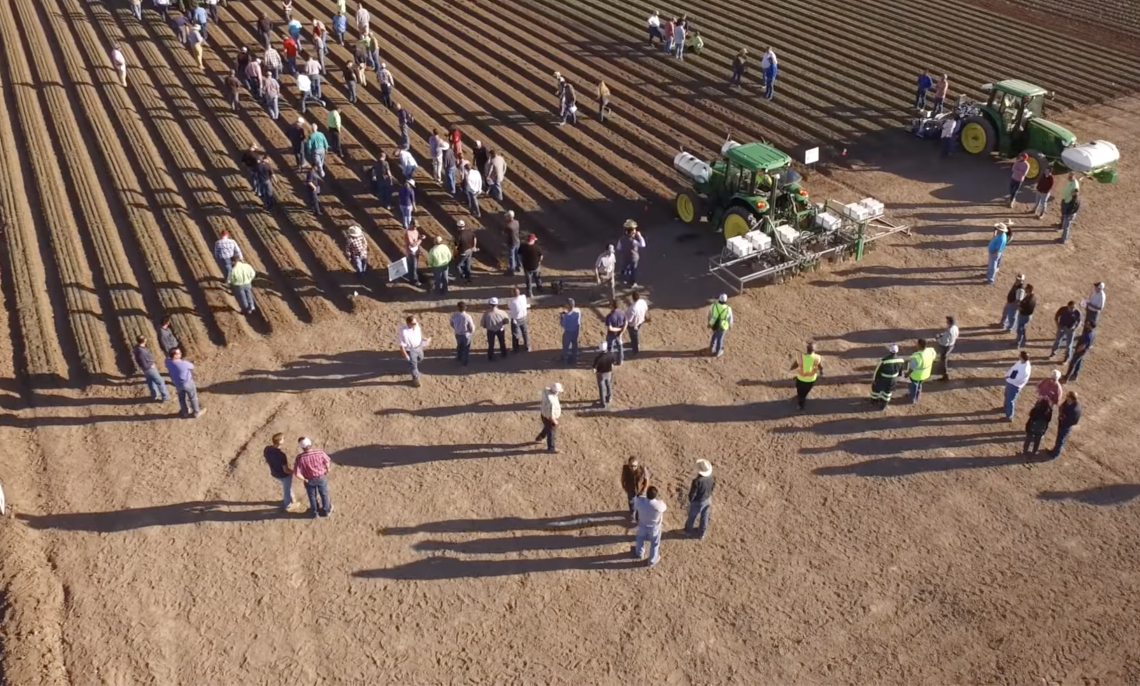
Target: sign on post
column 811, row 156
column 397, row 269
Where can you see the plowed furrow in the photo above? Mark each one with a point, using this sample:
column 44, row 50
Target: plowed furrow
column 147, row 256
column 303, row 251
column 97, row 229
column 220, row 192
column 59, row 235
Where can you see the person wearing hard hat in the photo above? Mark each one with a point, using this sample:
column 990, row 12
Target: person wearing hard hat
column 808, row 366
column 700, row 499
column 720, row 320
column 887, row 372
column 550, row 411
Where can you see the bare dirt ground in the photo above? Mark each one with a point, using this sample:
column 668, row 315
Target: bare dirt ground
column 914, row 546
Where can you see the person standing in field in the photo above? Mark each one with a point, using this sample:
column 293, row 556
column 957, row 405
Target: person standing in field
column 1070, row 205
column 944, row 346
column 1068, row 417
column 650, row 513
column 167, row 340
column 202, row 18
column 145, row 361
column 264, row 28
column 494, row 322
column 1036, row 426
column 629, row 248
column 225, row 249
column 412, row 346
column 272, row 96
column 464, row 327
column 1017, row 177
column 279, row 469
column 603, row 100
column 197, row 43
column 635, row 317
column 312, row 465
column 700, row 500
column 496, row 174
column 739, row 65
column 241, row 281
column 136, row 9
column 604, row 365
column 413, row 239
column 771, row 68
column 356, row 250
column 233, row 90
column 387, row 84
column 473, row 184
column 405, row 119
column 531, row 255
column 996, row 249
column 435, row 149
column 450, row 167
column 1094, row 304
column 518, row 309
column 313, row 182
column 1067, row 318
column 407, row 202
column 511, row 234
column 655, row 29
column 119, row 61
column 313, row 70
column 407, row 160
column 1043, row 192
column 570, row 319
column 634, row 481
column 439, row 259
column 465, row 245
column 920, row 365
column 1015, row 379
column 807, row 366
column 1025, row 310
column 569, row 106
column 679, row 37
column 318, row 147
column 253, row 78
column 615, row 329
column 887, row 372
column 182, row 376
column 1051, row 389
column 383, row 181
column 263, row 182
column 605, row 270
column 720, row 321
column 925, row 83
column 1012, row 300
column 941, row 88
column 339, row 26
column 1087, row 337
column 550, row 412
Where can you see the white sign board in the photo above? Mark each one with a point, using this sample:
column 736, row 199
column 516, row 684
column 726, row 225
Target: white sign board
column 811, row 156
column 398, row 269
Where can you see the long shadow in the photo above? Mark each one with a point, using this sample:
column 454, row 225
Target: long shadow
column 908, row 466
column 1104, row 496
column 894, row 446
column 381, row 456
column 160, row 515
column 516, row 544
column 477, row 407
column 744, row 412
column 859, row 425
column 444, row 568
column 504, row 524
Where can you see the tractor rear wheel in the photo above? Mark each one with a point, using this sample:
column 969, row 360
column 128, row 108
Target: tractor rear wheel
column 688, row 207
column 1037, row 165
column 737, row 222
column 978, row 136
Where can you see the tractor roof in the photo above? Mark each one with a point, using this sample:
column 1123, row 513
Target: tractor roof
column 758, row 156
column 1021, row 89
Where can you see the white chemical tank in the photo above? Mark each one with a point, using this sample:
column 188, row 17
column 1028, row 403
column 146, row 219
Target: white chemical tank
column 728, row 145
column 692, row 167
column 1089, row 156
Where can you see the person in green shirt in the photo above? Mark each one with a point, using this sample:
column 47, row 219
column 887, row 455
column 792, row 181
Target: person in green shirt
column 439, row 259
column 694, row 43
column 241, row 281
column 720, row 320
column 334, row 129
column 318, row 147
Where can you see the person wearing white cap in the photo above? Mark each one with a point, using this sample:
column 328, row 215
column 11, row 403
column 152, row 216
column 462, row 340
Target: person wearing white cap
column 700, row 499
column 412, row 344
column 465, row 245
column 495, row 322
column 650, row 511
column 550, row 411
column 356, row 249
column 387, row 83
column 1094, row 303
column 887, row 372
column 439, row 260
column 473, row 184
column 720, row 321
column 605, row 270
column 996, row 248
column 511, row 233
column 604, row 365
column 464, row 327
column 312, row 465
column 1051, row 389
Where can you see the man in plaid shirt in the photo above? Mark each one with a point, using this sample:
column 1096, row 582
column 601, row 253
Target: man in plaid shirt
column 312, row 465
column 224, row 251
column 356, row 249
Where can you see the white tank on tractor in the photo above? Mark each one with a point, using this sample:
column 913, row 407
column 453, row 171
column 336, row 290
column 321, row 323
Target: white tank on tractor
column 1088, row 157
column 692, row 167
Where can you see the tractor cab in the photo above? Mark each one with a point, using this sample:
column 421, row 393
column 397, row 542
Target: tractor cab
column 1012, row 122
column 1015, row 103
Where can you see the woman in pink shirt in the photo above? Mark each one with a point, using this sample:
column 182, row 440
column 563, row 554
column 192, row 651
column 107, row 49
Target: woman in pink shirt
column 1050, row 389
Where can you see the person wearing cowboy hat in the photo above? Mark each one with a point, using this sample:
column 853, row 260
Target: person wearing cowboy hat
column 629, row 249
column 604, row 365
column 550, row 411
column 356, row 249
column 700, row 499
column 996, row 247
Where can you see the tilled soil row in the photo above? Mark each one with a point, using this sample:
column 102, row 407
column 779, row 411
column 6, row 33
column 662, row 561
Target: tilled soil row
column 71, row 282
column 1110, row 23
column 148, row 255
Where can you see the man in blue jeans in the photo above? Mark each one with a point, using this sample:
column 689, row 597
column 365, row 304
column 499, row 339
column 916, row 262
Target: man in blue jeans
column 700, row 499
column 615, row 329
column 1082, row 348
column 1066, row 318
column 312, row 465
column 279, row 469
column 1069, row 416
column 650, row 512
column 1025, row 310
column 182, row 376
column 550, row 412
column 996, row 247
column 570, row 319
column 464, row 327
column 1015, row 379
column 145, row 361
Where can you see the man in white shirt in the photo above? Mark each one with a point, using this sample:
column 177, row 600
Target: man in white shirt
column 412, row 345
column 1094, row 304
column 119, row 60
column 435, row 148
column 655, row 29
column 550, row 412
column 362, row 19
column 474, row 185
column 1015, row 380
column 605, row 269
column 634, row 317
column 313, row 71
column 944, row 345
column 770, row 66
column 650, row 513
column 407, row 162
column 517, row 309
column 163, row 7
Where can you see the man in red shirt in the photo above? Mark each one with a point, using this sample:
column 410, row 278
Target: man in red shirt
column 312, row 465
column 290, row 51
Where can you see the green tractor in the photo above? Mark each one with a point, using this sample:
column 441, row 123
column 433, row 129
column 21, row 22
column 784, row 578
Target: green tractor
column 750, row 186
column 1013, row 122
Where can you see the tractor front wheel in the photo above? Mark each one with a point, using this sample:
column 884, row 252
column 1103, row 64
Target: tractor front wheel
column 978, row 136
column 688, row 207
column 1037, row 165
column 737, row 222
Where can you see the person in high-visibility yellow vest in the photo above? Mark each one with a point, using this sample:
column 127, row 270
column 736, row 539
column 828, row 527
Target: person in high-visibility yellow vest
column 720, row 320
column 920, row 365
column 808, row 366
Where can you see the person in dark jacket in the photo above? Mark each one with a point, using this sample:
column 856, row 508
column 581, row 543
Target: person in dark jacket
column 925, row 83
column 295, row 132
column 887, row 372
column 1044, row 191
column 1067, row 318
column 739, row 63
column 530, row 255
column 1036, row 426
column 634, row 480
column 167, row 340
column 1012, row 299
column 604, row 365
column 480, row 156
column 1068, row 416
column 1082, row 348
column 149, row 369
column 700, row 499
column 1025, row 310
column 382, row 180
